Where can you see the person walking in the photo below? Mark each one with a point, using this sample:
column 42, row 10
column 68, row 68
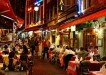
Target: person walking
column 36, row 45
column 46, row 45
column 32, row 46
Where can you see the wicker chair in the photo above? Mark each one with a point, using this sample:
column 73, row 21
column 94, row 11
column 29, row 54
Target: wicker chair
column 104, row 58
column 1, row 73
column 84, row 68
column 1, row 59
column 96, row 57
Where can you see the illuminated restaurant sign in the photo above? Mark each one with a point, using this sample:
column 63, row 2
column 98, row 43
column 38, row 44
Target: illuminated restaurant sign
column 38, row 2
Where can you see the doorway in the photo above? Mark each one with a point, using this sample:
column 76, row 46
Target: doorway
column 88, row 37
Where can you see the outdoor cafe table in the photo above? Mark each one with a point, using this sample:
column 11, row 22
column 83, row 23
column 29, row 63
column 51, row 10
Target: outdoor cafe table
column 73, row 67
column 96, row 73
column 6, row 60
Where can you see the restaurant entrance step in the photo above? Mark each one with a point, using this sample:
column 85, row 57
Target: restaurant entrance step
column 44, row 67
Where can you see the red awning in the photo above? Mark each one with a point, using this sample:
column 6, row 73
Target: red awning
column 84, row 19
column 7, row 11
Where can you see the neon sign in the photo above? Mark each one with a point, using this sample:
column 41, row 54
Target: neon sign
column 38, row 2
column 80, row 7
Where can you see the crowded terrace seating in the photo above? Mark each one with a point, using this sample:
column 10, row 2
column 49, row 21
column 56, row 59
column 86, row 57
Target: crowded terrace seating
column 82, row 63
column 76, row 62
column 15, row 58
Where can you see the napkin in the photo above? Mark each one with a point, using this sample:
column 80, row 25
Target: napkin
column 81, row 59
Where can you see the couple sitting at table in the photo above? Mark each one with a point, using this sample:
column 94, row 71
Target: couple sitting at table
column 67, row 55
column 82, row 53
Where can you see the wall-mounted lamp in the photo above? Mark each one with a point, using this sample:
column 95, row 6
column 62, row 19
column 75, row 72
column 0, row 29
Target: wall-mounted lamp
column 36, row 8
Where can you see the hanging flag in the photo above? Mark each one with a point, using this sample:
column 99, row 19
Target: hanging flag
column 61, row 5
column 80, row 6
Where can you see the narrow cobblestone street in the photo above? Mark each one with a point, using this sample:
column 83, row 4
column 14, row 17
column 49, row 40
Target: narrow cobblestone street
column 43, row 67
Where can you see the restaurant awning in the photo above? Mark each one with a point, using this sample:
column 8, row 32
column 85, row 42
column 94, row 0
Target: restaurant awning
column 83, row 19
column 7, row 12
column 34, row 28
column 52, row 27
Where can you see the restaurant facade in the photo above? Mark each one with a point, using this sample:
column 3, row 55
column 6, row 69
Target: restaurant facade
column 76, row 23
